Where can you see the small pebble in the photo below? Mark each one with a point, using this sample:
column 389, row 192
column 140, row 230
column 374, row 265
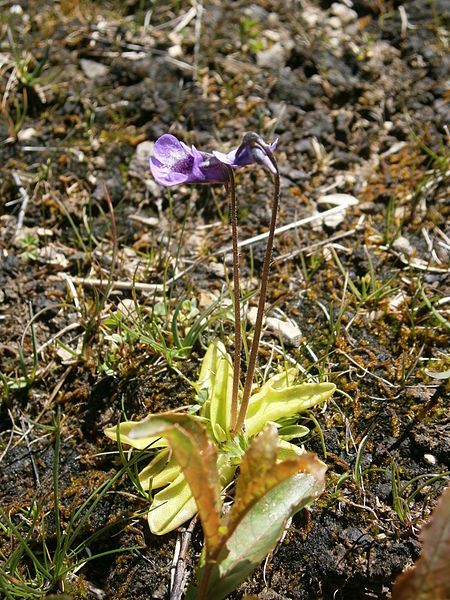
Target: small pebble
column 403, row 246
column 343, row 13
column 16, row 9
column 27, row 134
column 93, row 69
column 273, row 58
column 335, row 22
column 430, row 459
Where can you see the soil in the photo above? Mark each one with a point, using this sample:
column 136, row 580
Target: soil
column 355, row 93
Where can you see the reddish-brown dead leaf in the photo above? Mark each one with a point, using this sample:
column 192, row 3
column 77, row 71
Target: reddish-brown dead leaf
column 261, row 473
column 197, row 457
column 429, row 578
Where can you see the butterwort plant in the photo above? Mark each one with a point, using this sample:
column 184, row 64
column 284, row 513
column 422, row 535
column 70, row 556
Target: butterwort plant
column 174, row 163
column 197, row 454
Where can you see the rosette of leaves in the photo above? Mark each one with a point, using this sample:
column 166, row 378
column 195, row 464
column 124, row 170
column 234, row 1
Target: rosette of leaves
column 279, row 402
column 268, row 492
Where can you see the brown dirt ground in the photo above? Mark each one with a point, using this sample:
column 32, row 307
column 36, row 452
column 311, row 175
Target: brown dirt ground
column 358, row 100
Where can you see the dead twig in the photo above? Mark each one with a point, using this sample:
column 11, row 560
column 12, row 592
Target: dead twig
column 262, row 236
column 179, row 577
column 25, row 200
column 198, row 30
column 119, row 285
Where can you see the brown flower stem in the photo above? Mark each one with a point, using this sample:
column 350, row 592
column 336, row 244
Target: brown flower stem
column 237, row 300
column 262, row 299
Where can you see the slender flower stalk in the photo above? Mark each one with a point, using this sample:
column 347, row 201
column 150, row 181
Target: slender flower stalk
column 237, row 297
column 264, row 155
column 174, row 163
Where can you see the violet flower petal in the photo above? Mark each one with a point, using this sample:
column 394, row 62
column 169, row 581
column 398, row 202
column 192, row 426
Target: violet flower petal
column 174, row 163
column 226, row 159
column 197, row 174
column 247, row 154
column 169, row 150
column 164, row 175
column 253, row 149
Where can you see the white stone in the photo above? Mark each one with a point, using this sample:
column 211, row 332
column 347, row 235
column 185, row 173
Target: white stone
column 286, row 330
column 334, row 220
column 343, row 200
column 51, row 255
column 93, row 69
column 335, row 22
column 139, row 165
column 397, row 301
column 175, row 51
column 289, row 332
column 430, row 459
column 16, row 9
column 402, row 245
column 273, row 58
column 345, row 14
column 26, row 134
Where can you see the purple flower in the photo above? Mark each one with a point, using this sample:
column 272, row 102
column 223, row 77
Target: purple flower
column 174, row 162
column 253, row 149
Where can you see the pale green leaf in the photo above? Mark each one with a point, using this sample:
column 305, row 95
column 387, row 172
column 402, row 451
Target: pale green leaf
column 276, row 400
column 121, row 432
column 209, row 366
column 216, row 378
column 438, row 374
column 161, row 471
column 221, row 396
column 288, row 450
column 197, row 457
column 171, row 507
column 175, row 504
column 292, row 432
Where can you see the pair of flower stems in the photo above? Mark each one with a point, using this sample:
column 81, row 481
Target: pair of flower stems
column 174, row 163
column 261, row 153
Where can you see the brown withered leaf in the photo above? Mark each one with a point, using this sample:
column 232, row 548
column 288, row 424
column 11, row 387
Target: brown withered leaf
column 258, row 459
column 260, row 473
column 269, row 495
column 429, row 578
column 197, row 457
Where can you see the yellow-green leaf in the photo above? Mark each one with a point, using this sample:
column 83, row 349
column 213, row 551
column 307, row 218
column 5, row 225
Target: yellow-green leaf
column 216, row 377
column 268, row 494
column 288, row 450
column 258, row 532
column 161, row 471
column 260, row 473
column 171, row 507
column 175, row 504
column 276, row 400
column 121, row 432
column 197, row 458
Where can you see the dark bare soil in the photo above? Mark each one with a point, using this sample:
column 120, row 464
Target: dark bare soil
column 357, row 97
